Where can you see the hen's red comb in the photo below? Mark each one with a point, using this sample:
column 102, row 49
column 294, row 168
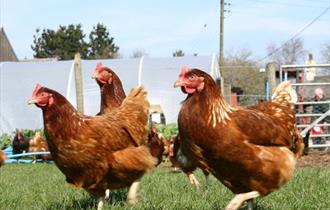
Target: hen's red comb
column 184, row 70
column 36, row 89
column 99, row 66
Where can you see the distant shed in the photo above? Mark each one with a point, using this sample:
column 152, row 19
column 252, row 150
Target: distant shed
column 7, row 52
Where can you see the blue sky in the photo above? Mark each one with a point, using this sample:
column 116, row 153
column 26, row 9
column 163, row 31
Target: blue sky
column 161, row 27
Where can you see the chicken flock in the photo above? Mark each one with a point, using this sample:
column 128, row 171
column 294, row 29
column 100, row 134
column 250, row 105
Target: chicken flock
column 23, row 144
column 252, row 150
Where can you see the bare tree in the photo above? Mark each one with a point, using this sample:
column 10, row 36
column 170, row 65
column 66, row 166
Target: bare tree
column 241, row 71
column 291, row 52
column 325, row 52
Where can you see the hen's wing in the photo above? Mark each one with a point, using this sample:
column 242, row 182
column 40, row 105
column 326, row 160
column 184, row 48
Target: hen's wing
column 133, row 159
column 281, row 107
column 264, row 129
column 134, row 111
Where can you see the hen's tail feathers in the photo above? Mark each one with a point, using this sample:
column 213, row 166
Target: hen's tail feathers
column 284, row 94
column 299, row 145
column 156, row 146
column 136, row 112
column 138, row 92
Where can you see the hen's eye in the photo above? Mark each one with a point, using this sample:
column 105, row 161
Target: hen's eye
column 192, row 77
column 105, row 73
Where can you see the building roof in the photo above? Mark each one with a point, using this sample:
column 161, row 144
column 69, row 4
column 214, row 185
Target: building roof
column 6, row 50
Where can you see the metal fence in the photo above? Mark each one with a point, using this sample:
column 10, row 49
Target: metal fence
column 312, row 112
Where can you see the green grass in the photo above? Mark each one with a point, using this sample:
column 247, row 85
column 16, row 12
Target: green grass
column 42, row 186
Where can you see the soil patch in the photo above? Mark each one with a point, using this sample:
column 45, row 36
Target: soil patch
column 315, row 158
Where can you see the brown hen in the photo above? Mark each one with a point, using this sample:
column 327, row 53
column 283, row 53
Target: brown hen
column 39, row 144
column 112, row 92
column 98, row 153
column 3, row 158
column 243, row 148
column 112, row 96
column 282, row 99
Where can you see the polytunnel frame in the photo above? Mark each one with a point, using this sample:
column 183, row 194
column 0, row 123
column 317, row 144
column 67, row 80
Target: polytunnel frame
column 136, row 68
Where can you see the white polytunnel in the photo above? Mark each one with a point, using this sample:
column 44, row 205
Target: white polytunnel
column 157, row 75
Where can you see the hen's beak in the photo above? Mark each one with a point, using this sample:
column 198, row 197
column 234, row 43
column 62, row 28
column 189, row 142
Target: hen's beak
column 94, row 76
column 179, row 83
column 31, row 101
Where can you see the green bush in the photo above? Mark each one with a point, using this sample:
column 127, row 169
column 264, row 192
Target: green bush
column 6, row 139
column 169, row 130
column 31, row 133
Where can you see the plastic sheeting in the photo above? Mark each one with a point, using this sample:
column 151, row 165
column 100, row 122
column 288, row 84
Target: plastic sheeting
column 157, row 75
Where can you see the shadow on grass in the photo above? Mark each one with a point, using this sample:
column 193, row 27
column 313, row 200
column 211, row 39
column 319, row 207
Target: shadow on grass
column 117, row 198
column 244, row 207
column 256, row 206
column 84, row 203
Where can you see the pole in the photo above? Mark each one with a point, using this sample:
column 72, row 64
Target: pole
column 221, row 59
column 79, row 83
column 222, row 11
column 271, row 78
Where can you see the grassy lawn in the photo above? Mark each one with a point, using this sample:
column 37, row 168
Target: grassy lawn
column 42, row 186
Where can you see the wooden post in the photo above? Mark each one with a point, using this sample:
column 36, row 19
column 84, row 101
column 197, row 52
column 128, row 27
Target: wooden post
column 79, row 83
column 221, row 46
column 271, row 77
column 226, row 92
